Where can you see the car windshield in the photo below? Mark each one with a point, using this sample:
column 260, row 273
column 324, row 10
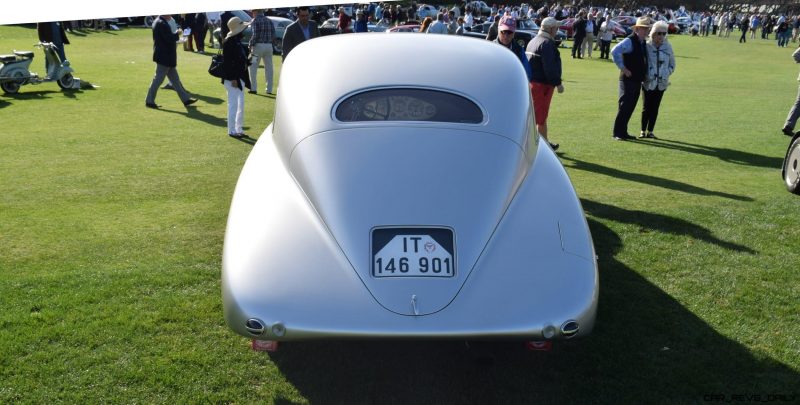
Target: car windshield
column 408, row 105
column 527, row 25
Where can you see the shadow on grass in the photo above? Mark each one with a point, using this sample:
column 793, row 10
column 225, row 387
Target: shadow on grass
column 247, row 139
column 724, row 154
column 645, row 345
column 202, row 97
column 196, row 114
column 649, row 221
column 44, row 94
column 208, row 99
column 647, row 179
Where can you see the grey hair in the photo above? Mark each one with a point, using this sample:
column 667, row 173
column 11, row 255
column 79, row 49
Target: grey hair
column 659, row 26
column 549, row 22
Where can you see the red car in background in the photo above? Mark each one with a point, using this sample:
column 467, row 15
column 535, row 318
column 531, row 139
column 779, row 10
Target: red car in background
column 405, row 28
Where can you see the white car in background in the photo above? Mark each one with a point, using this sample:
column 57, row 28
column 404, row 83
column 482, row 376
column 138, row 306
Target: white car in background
column 426, row 10
column 279, row 23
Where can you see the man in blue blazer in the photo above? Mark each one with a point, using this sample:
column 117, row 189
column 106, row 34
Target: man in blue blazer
column 165, row 37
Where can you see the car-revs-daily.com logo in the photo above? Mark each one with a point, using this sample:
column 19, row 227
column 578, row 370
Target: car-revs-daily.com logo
column 749, row 398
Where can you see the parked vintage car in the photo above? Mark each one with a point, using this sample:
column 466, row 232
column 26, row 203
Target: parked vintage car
column 791, row 165
column 426, row 10
column 672, row 27
column 480, row 7
column 683, row 24
column 406, row 203
column 279, row 23
column 331, row 26
column 405, row 28
column 526, row 30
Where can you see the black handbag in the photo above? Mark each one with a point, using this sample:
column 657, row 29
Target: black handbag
column 215, row 69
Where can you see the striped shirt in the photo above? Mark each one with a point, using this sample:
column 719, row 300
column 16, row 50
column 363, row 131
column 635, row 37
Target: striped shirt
column 263, row 30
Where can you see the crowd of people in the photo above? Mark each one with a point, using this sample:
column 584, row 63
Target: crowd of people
column 644, row 58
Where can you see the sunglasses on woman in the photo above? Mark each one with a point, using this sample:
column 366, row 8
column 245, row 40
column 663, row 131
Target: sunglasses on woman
column 507, row 32
column 661, row 34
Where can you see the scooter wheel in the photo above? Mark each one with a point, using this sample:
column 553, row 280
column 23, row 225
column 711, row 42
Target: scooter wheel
column 12, row 86
column 791, row 167
column 9, row 87
column 66, row 82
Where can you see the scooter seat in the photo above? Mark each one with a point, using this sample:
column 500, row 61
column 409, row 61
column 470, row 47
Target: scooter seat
column 7, row 58
column 24, row 54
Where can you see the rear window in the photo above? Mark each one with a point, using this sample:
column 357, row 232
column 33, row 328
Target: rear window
column 408, row 105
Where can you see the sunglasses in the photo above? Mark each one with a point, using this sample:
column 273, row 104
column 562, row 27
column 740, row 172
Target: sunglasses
column 507, row 32
column 661, row 34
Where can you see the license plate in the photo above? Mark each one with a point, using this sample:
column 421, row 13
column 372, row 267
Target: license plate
column 413, row 252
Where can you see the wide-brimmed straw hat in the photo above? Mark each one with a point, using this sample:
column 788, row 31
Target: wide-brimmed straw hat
column 235, row 26
column 643, row 22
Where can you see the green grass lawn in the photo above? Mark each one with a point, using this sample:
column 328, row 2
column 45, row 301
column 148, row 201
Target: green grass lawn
column 112, row 219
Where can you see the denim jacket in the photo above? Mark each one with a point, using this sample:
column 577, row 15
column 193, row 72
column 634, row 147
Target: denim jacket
column 660, row 65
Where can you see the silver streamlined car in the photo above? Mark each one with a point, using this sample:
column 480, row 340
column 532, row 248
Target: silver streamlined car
column 406, row 200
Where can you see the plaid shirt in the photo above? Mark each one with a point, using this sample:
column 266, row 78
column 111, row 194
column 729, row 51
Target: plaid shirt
column 263, row 30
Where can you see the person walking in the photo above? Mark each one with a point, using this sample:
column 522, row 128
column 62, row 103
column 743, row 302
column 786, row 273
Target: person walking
column 234, row 76
column 660, row 66
column 630, row 56
column 545, row 61
column 261, row 49
column 298, row 31
column 165, row 56
column 744, row 24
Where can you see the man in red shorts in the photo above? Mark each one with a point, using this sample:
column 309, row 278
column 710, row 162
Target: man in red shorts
column 545, row 61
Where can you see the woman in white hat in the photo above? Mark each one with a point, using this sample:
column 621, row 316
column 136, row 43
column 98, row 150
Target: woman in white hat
column 235, row 76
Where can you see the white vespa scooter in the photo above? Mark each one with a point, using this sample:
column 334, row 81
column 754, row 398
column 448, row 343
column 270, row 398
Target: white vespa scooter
column 14, row 70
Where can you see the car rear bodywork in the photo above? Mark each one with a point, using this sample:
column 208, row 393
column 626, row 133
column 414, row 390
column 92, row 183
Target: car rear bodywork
column 320, row 191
